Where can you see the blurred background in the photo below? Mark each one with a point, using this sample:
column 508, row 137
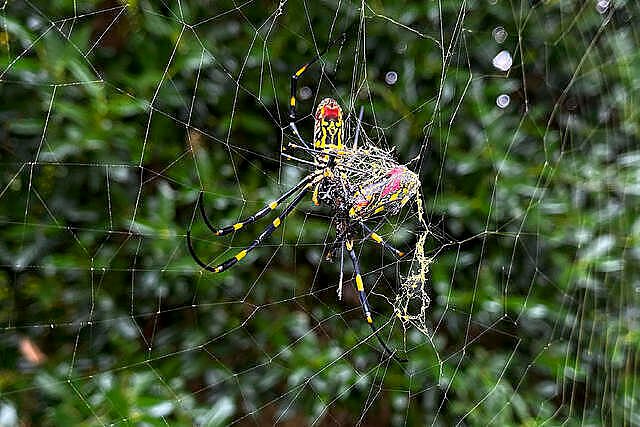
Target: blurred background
column 115, row 115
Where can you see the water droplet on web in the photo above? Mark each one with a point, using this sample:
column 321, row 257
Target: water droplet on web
column 391, row 78
column 499, row 34
column 503, row 61
column 33, row 23
column 602, row 6
column 306, row 93
column 503, row 100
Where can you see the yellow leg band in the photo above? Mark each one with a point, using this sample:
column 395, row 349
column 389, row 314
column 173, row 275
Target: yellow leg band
column 237, row 226
column 241, row 255
column 359, row 283
column 369, row 319
column 376, row 237
column 273, row 205
column 276, row 222
column 301, row 70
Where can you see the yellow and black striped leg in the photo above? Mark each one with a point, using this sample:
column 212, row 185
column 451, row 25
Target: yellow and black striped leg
column 363, row 300
column 295, row 76
column 256, row 216
column 265, row 233
column 376, row 237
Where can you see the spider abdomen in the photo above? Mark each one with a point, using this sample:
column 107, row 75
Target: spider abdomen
column 385, row 193
column 362, row 182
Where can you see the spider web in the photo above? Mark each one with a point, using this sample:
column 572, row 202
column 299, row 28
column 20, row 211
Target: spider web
column 517, row 303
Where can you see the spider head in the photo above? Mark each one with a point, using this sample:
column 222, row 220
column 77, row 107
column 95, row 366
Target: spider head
column 328, row 125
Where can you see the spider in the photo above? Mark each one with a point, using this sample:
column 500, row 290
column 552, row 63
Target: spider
column 357, row 183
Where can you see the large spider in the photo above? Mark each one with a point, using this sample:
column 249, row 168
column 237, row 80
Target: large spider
column 357, row 183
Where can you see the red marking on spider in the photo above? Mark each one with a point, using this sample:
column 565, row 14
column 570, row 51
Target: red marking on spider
column 395, row 183
column 331, row 113
column 328, row 109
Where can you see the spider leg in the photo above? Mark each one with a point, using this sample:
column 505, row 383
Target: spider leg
column 265, row 233
column 294, row 128
column 295, row 76
column 341, row 272
column 256, row 216
column 296, row 159
column 376, row 237
column 363, row 300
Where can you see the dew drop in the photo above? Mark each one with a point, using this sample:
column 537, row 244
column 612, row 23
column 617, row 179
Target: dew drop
column 602, row 6
column 391, row 78
column 503, row 61
column 306, row 93
column 499, row 34
column 503, row 100
column 34, row 23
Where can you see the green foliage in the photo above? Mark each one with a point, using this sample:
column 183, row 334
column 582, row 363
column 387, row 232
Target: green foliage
column 116, row 116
